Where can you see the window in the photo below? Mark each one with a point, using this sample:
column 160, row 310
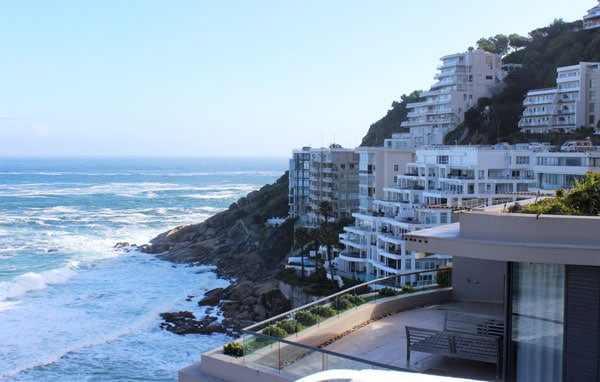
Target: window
column 443, row 218
column 442, row 159
column 522, row 160
column 537, row 321
column 591, row 119
column 396, row 167
column 489, row 62
column 488, row 77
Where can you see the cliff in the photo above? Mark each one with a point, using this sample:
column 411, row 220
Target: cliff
column 244, row 250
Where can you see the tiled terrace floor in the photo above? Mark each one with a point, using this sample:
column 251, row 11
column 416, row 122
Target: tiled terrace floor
column 384, row 341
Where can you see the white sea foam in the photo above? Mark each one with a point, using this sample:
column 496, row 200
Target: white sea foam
column 71, row 301
column 95, row 309
column 31, row 281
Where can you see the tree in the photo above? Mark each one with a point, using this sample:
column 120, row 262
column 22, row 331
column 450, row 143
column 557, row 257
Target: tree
column 583, row 199
column 302, row 237
column 329, row 237
column 516, row 41
column 497, row 44
column 585, row 195
column 326, row 210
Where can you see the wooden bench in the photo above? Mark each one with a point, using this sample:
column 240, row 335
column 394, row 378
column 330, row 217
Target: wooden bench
column 469, row 336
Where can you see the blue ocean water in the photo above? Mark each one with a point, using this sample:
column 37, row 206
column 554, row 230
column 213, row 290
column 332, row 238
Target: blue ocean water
column 75, row 308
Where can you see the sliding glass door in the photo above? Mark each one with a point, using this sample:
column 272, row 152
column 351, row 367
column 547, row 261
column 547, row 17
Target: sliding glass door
column 537, row 322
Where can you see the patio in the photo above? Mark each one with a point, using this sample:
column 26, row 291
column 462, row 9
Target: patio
column 384, row 341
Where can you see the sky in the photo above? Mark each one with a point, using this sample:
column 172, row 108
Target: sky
column 227, row 78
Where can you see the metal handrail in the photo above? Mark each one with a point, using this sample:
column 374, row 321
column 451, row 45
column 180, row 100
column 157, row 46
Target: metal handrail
column 249, row 329
column 332, row 353
column 373, row 364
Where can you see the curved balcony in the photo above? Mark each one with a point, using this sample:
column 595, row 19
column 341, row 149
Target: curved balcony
column 352, row 256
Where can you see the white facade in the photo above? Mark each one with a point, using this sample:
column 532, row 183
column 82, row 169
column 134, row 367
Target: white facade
column 592, row 19
column 557, row 169
column 439, row 182
column 463, row 78
column 573, row 103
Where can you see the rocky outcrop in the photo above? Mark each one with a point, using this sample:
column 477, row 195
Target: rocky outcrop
column 244, row 250
column 245, row 303
column 236, row 240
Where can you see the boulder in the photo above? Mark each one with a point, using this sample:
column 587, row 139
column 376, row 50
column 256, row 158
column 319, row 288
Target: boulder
column 212, row 297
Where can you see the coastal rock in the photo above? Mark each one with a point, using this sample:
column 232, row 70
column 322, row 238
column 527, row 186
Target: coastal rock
column 212, row 297
column 243, row 249
column 185, row 322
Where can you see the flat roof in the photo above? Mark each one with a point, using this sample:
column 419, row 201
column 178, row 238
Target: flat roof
column 501, row 236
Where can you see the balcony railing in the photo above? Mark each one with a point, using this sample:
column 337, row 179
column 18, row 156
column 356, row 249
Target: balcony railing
column 290, row 343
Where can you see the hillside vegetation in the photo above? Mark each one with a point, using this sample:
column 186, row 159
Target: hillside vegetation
column 545, row 49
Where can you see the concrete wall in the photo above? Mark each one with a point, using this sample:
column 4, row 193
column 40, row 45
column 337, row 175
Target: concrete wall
column 296, row 295
column 477, row 280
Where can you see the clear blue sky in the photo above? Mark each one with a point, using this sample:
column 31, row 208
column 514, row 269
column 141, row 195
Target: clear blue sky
column 243, row 78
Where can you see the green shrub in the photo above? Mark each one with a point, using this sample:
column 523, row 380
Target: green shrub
column 444, row 277
column 343, row 303
column 290, row 326
column 233, row 348
column 275, row 331
column 356, row 300
column 323, row 311
column 307, row 318
column 387, row 292
column 407, row 289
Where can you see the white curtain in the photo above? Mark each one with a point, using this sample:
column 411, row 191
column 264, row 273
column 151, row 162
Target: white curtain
column 538, row 321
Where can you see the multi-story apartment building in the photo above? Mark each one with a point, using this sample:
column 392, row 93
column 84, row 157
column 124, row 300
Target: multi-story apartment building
column 379, row 167
column 299, row 183
column 573, row 103
column 463, row 78
column 323, row 175
column 440, row 181
column 557, row 169
column 592, row 19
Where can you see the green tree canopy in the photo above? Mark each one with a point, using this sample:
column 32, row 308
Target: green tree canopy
column 582, row 199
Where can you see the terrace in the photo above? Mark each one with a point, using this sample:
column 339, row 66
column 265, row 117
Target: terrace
column 366, row 335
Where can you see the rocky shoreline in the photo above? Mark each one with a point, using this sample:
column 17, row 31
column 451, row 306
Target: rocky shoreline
column 244, row 250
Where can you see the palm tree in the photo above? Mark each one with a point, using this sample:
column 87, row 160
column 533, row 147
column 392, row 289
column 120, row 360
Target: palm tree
column 326, row 209
column 302, row 237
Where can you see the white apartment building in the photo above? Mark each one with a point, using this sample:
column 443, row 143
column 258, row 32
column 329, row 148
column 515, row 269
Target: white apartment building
column 573, row 103
column 557, row 169
column 323, row 174
column 439, row 182
column 592, row 19
column 463, row 78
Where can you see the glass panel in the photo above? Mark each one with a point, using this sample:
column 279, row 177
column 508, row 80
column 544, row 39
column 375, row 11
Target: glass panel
column 538, row 321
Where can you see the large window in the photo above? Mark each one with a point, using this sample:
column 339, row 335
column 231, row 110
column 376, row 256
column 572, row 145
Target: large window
column 537, row 315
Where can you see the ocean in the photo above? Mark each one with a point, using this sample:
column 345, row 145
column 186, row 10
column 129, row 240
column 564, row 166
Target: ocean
column 73, row 307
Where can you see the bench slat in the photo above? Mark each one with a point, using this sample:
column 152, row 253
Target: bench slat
column 469, row 336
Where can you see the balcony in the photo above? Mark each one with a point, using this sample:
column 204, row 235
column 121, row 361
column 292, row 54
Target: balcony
column 352, row 257
column 381, row 344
